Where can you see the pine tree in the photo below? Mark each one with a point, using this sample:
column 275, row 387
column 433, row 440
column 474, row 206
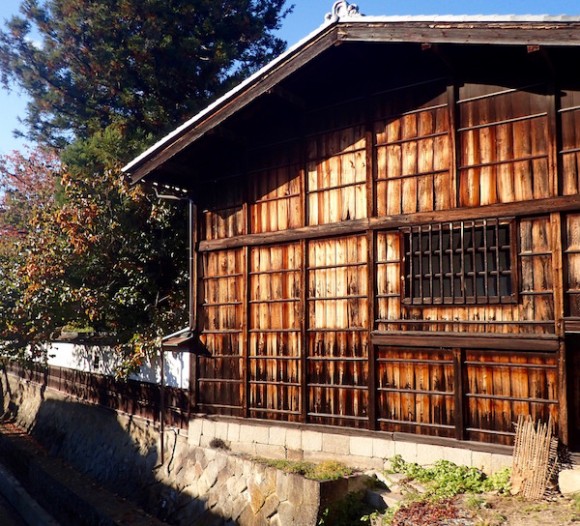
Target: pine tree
column 140, row 64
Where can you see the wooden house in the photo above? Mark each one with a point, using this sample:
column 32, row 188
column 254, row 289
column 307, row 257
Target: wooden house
column 385, row 229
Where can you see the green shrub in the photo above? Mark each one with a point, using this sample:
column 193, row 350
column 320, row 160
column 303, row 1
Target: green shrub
column 445, row 479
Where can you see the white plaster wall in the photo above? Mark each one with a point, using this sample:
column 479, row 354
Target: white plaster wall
column 101, row 360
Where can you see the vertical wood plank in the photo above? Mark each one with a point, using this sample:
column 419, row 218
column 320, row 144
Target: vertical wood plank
column 554, row 141
column 304, row 326
column 371, row 316
column 245, row 398
column 557, row 235
column 558, row 271
column 459, row 391
column 563, row 393
column 371, row 165
column 194, row 224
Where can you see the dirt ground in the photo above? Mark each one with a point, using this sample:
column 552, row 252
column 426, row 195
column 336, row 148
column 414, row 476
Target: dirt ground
column 510, row 511
column 490, row 510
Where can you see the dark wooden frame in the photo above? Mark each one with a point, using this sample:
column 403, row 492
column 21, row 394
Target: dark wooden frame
column 410, row 298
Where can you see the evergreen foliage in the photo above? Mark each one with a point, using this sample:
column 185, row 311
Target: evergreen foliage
column 79, row 246
column 140, row 64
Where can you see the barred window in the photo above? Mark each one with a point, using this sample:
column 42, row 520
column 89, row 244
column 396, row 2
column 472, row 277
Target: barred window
column 460, row 262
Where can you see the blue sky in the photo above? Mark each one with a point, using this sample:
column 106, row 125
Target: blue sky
column 307, row 16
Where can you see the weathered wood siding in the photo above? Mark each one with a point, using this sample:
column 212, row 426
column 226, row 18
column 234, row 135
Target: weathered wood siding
column 274, row 189
column 504, row 144
column 275, row 343
column 336, row 167
column 569, row 113
column 412, row 135
column 302, row 263
column 220, row 323
column 572, row 264
column 337, row 352
column 534, row 313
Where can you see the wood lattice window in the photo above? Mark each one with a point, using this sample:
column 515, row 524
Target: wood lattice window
column 460, row 262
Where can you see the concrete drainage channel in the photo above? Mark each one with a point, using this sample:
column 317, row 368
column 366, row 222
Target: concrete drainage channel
column 28, row 510
column 47, row 492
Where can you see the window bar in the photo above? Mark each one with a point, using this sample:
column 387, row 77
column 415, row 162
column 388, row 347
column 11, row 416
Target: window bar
column 485, row 262
column 411, row 270
column 441, row 267
column 462, row 253
column 451, row 268
column 420, row 253
column 497, row 267
column 431, row 263
column 474, row 259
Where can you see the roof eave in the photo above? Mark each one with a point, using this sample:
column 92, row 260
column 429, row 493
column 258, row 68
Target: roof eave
column 507, row 30
column 254, row 86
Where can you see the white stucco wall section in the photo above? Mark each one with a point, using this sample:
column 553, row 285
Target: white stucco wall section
column 102, row 360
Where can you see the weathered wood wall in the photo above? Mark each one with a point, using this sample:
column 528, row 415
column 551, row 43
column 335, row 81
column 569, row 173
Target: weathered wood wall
column 301, row 263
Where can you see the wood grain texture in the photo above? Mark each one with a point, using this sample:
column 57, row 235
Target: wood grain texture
column 300, row 293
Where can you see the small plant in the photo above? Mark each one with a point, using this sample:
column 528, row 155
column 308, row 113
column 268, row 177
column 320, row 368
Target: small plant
column 475, row 503
column 446, row 479
column 218, row 443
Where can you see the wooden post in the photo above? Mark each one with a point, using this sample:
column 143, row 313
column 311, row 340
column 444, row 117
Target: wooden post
column 557, row 272
column 193, row 302
column 459, row 389
column 304, row 332
column 370, row 159
column 455, row 160
column 558, row 286
column 563, row 423
column 554, row 139
column 162, row 408
column 372, row 374
column 246, row 368
column 304, row 283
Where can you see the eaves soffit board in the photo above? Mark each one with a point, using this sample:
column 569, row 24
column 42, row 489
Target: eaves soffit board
column 528, row 29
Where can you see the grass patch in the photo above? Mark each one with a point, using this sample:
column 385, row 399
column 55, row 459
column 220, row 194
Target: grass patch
column 575, row 502
column 327, row 470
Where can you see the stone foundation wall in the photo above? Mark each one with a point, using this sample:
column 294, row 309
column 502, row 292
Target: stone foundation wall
column 196, row 483
column 365, row 452
column 192, row 484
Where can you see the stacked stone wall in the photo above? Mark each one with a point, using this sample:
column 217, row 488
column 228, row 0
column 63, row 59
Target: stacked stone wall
column 191, row 484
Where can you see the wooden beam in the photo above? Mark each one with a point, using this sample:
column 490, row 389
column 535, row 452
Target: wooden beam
column 471, row 340
column 358, row 226
column 496, row 33
column 193, row 300
column 572, row 325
